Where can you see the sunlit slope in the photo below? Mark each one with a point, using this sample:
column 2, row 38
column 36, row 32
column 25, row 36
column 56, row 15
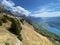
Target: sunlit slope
column 6, row 37
column 30, row 37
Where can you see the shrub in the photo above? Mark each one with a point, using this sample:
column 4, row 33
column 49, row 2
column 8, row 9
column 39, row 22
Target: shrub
column 19, row 37
column 4, row 20
column 21, row 20
column 0, row 21
column 7, row 17
column 0, row 11
column 16, row 26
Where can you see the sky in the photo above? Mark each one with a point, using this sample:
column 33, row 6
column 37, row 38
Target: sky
column 36, row 8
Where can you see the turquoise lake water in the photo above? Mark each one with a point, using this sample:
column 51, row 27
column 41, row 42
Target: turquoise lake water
column 52, row 29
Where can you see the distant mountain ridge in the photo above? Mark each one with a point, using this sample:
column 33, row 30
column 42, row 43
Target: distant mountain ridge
column 48, row 20
column 53, row 21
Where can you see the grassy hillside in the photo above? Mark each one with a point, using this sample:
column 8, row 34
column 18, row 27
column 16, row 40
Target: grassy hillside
column 51, row 36
column 55, row 39
column 31, row 37
column 10, row 29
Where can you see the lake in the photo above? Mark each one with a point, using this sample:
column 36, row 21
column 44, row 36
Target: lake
column 52, row 29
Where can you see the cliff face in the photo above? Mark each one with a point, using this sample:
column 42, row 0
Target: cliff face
column 30, row 37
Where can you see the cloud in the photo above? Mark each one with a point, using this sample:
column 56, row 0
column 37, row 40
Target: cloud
column 46, row 14
column 8, row 3
column 39, row 11
column 50, row 10
column 19, row 9
column 22, row 10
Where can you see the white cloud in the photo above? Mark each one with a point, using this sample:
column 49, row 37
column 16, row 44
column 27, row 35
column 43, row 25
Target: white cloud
column 46, row 14
column 22, row 10
column 8, row 3
column 50, row 10
column 19, row 9
column 40, row 10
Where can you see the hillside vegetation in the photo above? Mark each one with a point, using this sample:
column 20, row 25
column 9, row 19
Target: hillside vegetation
column 55, row 39
column 10, row 29
column 31, row 37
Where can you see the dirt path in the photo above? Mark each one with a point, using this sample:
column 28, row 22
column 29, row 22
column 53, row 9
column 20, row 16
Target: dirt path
column 30, row 37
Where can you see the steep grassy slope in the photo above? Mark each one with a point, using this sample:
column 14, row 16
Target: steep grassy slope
column 7, row 37
column 55, row 39
column 30, row 37
column 11, row 30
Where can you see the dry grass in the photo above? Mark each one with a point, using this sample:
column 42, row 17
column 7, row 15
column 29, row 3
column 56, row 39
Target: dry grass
column 30, row 37
column 6, row 36
column 1, row 15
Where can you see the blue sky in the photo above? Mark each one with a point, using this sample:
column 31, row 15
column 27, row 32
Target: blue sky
column 36, row 8
column 33, row 4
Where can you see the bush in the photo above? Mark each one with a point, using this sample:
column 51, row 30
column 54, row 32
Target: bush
column 0, row 21
column 4, row 20
column 0, row 11
column 16, row 26
column 21, row 20
column 7, row 17
column 19, row 37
